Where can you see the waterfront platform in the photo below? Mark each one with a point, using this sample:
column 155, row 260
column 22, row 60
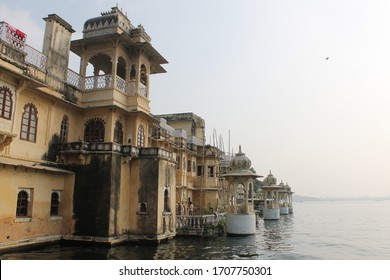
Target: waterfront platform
column 200, row 225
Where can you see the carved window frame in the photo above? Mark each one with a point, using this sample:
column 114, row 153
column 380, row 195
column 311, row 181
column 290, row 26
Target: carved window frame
column 118, row 133
column 142, row 208
column 6, row 103
column 55, row 202
column 64, row 129
column 94, row 130
column 29, row 125
column 24, row 205
column 141, row 136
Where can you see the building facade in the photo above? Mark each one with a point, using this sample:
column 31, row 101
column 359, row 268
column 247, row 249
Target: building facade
column 82, row 158
column 198, row 164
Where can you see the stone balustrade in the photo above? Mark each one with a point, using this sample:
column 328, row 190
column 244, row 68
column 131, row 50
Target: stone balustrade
column 196, row 224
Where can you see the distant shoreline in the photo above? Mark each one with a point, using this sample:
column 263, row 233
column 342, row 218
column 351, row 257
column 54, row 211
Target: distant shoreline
column 298, row 198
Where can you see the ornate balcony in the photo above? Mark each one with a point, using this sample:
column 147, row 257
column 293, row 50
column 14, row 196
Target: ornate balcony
column 81, row 147
column 34, row 64
column 86, row 147
column 12, row 36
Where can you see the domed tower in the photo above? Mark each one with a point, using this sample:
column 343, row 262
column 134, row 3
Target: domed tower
column 289, row 198
column 283, row 199
column 271, row 209
column 239, row 192
column 113, row 125
column 116, row 60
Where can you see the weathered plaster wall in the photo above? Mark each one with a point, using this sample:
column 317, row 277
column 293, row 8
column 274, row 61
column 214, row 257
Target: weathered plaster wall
column 42, row 183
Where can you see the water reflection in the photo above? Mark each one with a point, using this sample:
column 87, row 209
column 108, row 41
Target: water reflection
column 277, row 234
column 271, row 241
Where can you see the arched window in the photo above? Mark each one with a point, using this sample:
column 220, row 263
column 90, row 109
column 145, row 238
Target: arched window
column 250, row 196
column 64, row 129
column 193, row 166
column 143, row 207
column 118, row 133
column 240, row 194
column 189, row 165
column 54, row 204
column 5, row 103
column 22, row 204
column 144, row 82
column 141, row 136
column 121, row 68
column 94, row 131
column 143, row 75
column 232, row 198
column 184, row 164
column 28, row 130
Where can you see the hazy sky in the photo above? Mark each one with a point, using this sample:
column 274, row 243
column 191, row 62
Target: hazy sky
column 259, row 69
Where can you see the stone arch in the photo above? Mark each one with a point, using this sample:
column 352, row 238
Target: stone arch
column 101, row 64
column 121, row 68
column 118, row 132
column 240, row 194
column 94, row 130
column 250, row 192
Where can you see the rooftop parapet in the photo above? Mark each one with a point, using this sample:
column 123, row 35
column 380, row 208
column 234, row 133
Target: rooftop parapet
column 12, row 35
column 114, row 22
column 110, row 22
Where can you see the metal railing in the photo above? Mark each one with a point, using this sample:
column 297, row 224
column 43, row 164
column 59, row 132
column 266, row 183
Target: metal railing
column 17, row 39
column 35, row 57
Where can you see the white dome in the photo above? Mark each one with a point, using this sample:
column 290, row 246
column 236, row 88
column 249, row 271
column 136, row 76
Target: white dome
column 240, row 161
column 269, row 180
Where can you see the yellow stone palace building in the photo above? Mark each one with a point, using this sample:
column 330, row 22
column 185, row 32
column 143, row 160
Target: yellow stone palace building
column 82, row 158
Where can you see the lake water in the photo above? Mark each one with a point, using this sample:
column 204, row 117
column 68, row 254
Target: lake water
column 340, row 230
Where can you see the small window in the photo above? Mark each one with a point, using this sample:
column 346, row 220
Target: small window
column 94, row 131
column 141, row 136
column 210, row 171
column 189, row 166
column 193, row 166
column 118, row 133
column 143, row 207
column 64, row 129
column 55, row 203
column 23, row 204
column 28, row 130
column 5, row 103
column 200, row 170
